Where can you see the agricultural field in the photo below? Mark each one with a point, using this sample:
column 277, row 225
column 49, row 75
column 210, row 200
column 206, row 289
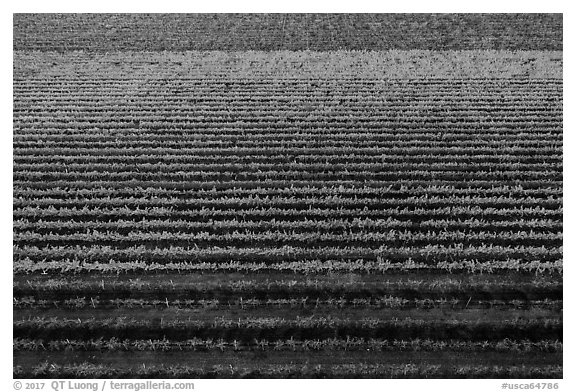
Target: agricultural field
column 317, row 32
column 227, row 207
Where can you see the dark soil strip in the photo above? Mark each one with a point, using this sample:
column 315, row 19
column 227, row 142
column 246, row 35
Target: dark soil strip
column 274, row 330
column 261, row 358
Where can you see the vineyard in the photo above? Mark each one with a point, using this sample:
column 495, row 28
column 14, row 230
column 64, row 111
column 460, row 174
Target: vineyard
column 323, row 196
